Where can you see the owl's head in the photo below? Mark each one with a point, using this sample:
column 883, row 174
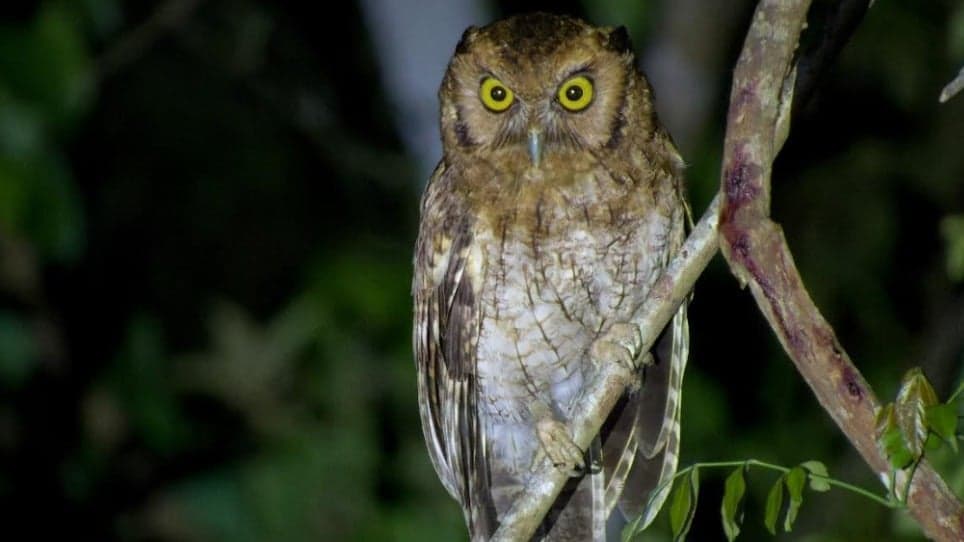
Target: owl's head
column 540, row 86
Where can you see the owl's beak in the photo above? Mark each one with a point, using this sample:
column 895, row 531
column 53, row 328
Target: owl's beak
column 535, row 146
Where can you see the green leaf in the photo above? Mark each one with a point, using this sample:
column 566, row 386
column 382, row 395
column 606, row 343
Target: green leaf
column 795, row 481
column 915, row 396
column 683, row 505
column 956, row 32
column 22, row 130
column 141, row 380
column 952, row 228
column 774, row 505
column 18, row 350
column 52, row 71
column 629, row 531
column 915, row 386
column 39, row 201
column 818, row 475
column 890, row 438
column 942, row 420
column 895, row 447
column 732, row 510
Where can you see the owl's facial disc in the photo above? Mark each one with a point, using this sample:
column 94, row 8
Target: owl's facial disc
column 542, row 92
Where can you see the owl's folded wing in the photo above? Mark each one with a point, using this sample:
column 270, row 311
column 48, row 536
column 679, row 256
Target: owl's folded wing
column 447, row 322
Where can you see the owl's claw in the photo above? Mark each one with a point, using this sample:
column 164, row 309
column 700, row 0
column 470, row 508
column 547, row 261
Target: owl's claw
column 557, row 444
column 621, row 344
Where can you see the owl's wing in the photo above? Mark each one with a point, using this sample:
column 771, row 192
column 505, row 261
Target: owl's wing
column 642, row 446
column 447, row 323
column 658, row 426
column 641, row 438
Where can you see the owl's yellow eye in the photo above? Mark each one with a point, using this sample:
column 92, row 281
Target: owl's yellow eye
column 494, row 95
column 576, row 93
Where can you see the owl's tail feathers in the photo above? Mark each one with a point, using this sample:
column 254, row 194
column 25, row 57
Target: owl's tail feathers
column 649, row 480
column 579, row 513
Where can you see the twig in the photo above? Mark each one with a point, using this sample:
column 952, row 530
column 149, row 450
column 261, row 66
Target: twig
column 758, row 255
column 952, row 88
column 602, row 393
column 781, row 469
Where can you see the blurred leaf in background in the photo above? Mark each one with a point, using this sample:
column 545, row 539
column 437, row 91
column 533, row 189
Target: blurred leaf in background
column 46, row 85
column 952, row 228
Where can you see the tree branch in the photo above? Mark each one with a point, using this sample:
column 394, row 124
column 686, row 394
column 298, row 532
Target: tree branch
column 953, row 87
column 758, row 255
column 605, row 389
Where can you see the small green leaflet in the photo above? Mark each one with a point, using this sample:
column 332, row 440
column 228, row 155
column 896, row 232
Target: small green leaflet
column 683, row 505
column 732, row 508
column 818, row 475
column 890, row 439
column 774, row 505
column 913, row 399
column 942, row 420
column 795, row 480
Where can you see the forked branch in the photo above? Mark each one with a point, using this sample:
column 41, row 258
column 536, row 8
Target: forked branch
column 758, row 255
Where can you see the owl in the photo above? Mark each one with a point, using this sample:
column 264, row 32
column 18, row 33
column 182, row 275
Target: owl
column 558, row 202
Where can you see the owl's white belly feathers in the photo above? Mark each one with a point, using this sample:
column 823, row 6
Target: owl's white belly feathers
column 544, row 299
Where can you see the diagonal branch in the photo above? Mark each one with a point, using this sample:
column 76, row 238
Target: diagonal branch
column 953, row 87
column 758, row 255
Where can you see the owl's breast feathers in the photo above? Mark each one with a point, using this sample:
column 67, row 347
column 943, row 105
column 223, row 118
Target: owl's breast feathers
column 563, row 257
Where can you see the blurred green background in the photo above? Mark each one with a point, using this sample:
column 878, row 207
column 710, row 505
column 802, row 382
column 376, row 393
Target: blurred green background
column 207, row 211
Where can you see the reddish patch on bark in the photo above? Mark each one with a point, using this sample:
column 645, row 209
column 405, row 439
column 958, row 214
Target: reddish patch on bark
column 741, row 247
column 797, row 340
column 837, row 353
column 854, row 388
column 738, row 106
column 744, row 97
column 740, row 178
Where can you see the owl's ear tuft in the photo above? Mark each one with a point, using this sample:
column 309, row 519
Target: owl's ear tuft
column 467, row 38
column 618, row 41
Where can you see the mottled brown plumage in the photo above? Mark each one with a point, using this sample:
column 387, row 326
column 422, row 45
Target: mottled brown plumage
column 542, row 230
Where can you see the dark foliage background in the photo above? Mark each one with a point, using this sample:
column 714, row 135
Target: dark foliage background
column 206, row 218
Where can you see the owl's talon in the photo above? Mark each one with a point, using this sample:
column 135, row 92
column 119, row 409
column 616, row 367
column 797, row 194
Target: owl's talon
column 620, row 344
column 559, row 447
column 647, row 359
